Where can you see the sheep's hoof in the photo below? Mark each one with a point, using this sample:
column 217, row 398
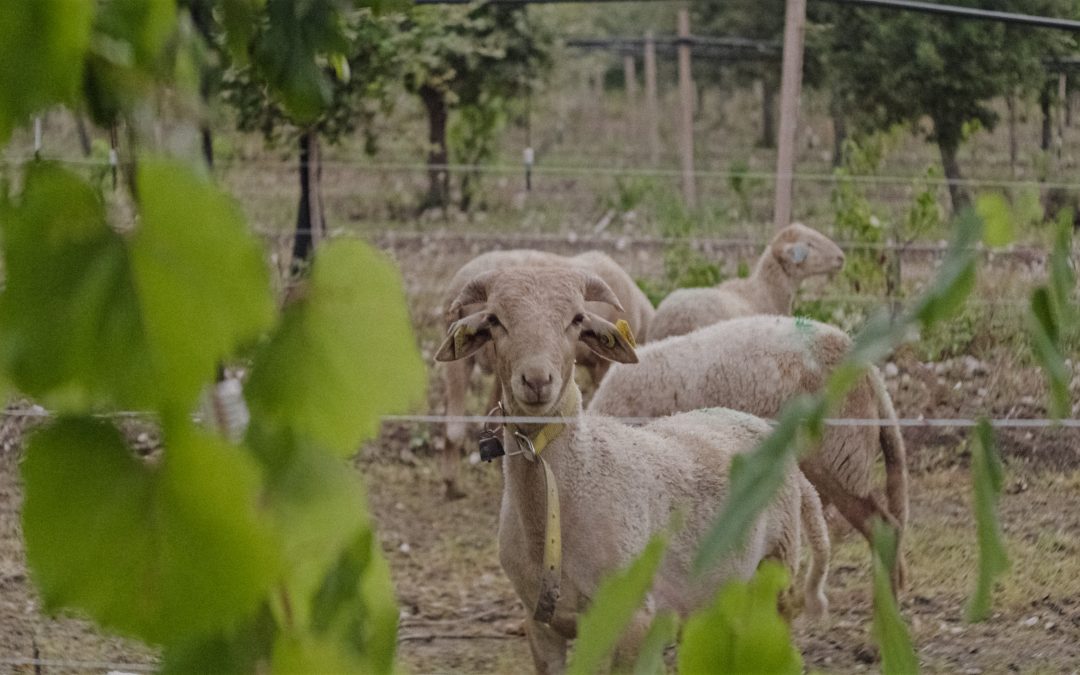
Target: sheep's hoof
column 453, row 492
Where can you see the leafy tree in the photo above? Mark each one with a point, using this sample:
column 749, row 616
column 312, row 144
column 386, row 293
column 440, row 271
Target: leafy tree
column 899, row 67
column 349, row 79
column 763, row 21
column 479, row 57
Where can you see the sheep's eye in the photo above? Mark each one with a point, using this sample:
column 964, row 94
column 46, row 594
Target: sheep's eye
column 493, row 321
column 578, row 318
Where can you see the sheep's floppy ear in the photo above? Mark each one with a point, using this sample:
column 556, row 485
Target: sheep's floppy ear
column 607, row 340
column 598, row 291
column 465, row 336
column 796, row 252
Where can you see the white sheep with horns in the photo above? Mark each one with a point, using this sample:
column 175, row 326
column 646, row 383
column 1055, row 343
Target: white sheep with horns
column 618, row 485
column 637, row 311
column 795, row 253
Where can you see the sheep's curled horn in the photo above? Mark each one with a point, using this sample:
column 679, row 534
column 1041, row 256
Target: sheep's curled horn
column 475, row 292
column 598, row 291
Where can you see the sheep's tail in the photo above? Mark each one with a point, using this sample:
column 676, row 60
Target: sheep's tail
column 896, row 471
column 892, row 449
column 817, row 533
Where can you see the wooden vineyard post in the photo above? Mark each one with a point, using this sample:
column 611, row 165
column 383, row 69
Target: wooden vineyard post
column 652, row 108
column 686, row 105
column 790, row 91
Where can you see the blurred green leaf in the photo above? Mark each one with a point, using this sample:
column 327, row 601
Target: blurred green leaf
column 956, row 276
column 742, row 632
column 128, row 55
column 70, row 322
column 41, row 56
column 202, row 282
column 1045, row 343
column 988, row 476
column 240, row 20
column 663, row 632
column 144, row 26
column 1052, row 314
column 240, row 650
column 997, row 217
column 613, row 607
column 754, row 480
column 343, row 355
column 890, row 631
column 165, row 552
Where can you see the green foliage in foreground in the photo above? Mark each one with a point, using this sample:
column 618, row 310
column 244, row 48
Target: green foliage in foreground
column 255, row 556
column 616, row 603
column 987, row 477
column 897, row 654
column 1053, row 316
column 742, row 632
column 195, row 549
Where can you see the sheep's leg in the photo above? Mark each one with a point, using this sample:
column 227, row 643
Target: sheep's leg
column 456, row 379
column 547, row 646
column 859, row 511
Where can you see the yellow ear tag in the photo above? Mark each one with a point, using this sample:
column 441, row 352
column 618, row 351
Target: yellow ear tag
column 624, row 330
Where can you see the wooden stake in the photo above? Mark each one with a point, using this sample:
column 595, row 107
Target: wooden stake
column 790, row 91
column 652, row 108
column 686, row 98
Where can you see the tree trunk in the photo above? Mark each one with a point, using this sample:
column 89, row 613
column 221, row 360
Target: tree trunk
column 84, row 135
column 438, row 177
column 1047, row 122
column 207, row 144
column 768, row 115
column 957, row 193
column 839, row 124
column 310, row 221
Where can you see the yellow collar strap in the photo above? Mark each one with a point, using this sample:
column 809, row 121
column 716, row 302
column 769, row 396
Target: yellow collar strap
column 551, row 572
column 549, row 432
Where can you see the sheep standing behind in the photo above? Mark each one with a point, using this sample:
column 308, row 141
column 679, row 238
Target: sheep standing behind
column 757, row 364
column 795, row 253
column 618, row 485
column 638, row 312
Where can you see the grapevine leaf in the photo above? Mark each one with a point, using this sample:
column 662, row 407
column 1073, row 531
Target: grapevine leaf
column 69, row 318
column 754, row 479
column 239, row 651
column 956, row 276
column 41, row 56
column 742, row 632
column 987, row 476
column 167, row 553
column 343, row 355
column 618, row 598
column 662, row 632
column 201, row 279
column 897, row 652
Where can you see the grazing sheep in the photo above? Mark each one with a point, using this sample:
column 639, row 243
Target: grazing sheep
column 638, row 313
column 756, row 364
column 618, row 485
column 795, row 253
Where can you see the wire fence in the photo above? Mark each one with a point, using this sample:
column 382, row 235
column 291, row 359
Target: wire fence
column 957, row 422
column 606, row 169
